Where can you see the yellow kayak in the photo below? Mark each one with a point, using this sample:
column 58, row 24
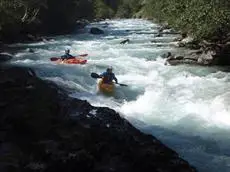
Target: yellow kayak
column 106, row 88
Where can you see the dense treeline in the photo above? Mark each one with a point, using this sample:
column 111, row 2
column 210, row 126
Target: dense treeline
column 116, row 8
column 204, row 19
column 200, row 18
column 21, row 17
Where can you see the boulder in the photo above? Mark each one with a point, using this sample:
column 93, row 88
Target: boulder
column 43, row 129
column 96, row 31
column 80, row 24
column 5, row 57
column 206, row 58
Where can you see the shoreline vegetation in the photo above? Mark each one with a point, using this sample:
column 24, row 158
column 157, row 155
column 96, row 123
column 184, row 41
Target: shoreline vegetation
column 204, row 25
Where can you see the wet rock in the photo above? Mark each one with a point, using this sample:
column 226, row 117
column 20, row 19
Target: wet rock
column 40, row 135
column 5, row 57
column 80, row 24
column 187, row 42
column 31, row 37
column 125, row 41
column 206, row 58
column 96, row 31
column 30, row 50
column 178, row 62
column 158, row 34
column 189, row 58
column 179, row 58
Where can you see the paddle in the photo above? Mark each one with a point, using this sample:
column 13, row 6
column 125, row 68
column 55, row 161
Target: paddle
column 57, row 58
column 95, row 75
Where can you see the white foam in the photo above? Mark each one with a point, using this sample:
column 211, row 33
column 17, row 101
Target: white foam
column 187, row 107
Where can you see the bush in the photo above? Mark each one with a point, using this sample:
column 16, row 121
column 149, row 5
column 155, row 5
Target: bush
column 201, row 18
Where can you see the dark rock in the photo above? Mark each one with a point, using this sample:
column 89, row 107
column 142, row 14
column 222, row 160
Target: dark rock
column 189, row 58
column 179, row 57
column 164, row 27
column 193, row 46
column 80, row 24
column 5, row 57
column 30, row 50
column 38, row 133
column 178, row 62
column 125, row 41
column 158, row 34
column 153, row 41
column 31, row 37
column 206, row 58
column 96, row 31
column 181, row 44
column 222, row 54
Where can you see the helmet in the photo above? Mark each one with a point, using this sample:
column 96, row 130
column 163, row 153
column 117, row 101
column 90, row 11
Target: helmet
column 109, row 69
column 67, row 51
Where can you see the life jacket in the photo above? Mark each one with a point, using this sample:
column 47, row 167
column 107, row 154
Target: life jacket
column 108, row 78
column 67, row 56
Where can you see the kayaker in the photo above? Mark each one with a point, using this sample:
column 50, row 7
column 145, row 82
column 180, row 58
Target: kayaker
column 125, row 41
column 67, row 55
column 169, row 57
column 108, row 76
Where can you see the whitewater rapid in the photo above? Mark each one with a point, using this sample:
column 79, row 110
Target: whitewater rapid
column 186, row 107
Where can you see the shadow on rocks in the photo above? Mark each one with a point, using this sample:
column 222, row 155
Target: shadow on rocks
column 42, row 129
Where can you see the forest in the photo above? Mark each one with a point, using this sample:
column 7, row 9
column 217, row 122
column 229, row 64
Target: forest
column 203, row 19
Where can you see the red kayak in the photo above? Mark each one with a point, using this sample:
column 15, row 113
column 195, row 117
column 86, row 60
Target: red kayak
column 76, row 60
column 72, row 61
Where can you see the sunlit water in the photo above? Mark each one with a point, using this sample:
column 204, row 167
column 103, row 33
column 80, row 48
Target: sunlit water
column 186, row 107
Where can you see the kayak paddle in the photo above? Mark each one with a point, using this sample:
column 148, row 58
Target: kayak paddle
column 124, row 85
column 57, row 58
column 95, row 75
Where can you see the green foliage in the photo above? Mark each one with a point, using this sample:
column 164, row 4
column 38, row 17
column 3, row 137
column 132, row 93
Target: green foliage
column 204, row 19
column 116, row 8
column 56, row 16
column 61, row 15
column 23, row 16
column 128, row 8
column 124, row 11
column 103, row 10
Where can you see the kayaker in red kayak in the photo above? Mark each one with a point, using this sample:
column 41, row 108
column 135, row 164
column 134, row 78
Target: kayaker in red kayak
column 108, row 76
column 67, row 55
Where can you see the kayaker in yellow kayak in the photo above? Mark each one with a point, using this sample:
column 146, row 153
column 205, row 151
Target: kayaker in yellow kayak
column 67, row 55
column 108, row 76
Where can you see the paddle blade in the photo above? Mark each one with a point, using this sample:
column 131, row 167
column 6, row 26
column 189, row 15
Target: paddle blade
column 95, row 75
column 124, row 85
column 54, row 58
column 83, row 55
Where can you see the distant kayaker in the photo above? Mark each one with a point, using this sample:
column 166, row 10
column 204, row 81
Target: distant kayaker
column 67, row 55
column 108, row 76
column 125, row 41
column 169, row 57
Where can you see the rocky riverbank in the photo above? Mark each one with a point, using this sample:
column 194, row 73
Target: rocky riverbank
column 202, row 53
column 42, row 129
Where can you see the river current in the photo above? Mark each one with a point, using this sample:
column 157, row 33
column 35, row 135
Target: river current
column 186, row 107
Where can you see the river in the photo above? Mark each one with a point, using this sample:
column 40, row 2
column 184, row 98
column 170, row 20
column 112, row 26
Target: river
column 186, row 107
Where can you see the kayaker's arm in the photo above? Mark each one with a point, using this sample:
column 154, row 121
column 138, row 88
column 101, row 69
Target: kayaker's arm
column 114, row 77
column 102, row 74
column 63, row 57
